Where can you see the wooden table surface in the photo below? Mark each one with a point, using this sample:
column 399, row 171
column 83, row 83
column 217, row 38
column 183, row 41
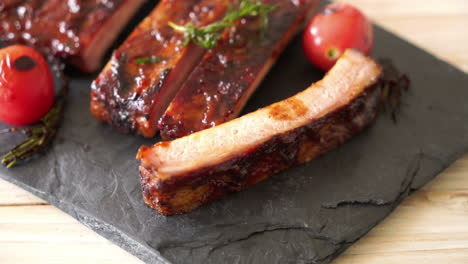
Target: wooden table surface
column 431, row 226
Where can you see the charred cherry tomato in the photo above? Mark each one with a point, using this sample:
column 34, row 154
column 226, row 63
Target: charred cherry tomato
column 336, row 28
column 26, row 86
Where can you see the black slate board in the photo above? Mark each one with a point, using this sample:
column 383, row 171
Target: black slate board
column 307, row 214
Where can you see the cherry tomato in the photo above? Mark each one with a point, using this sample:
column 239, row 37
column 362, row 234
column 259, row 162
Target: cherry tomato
column 336, row 28
column 26, row 86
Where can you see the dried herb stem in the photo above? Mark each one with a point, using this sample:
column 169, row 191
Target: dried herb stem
column 393, row 84
column 39, row 136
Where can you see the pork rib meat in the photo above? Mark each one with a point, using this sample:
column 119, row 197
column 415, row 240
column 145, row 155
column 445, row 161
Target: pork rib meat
column 180, row 175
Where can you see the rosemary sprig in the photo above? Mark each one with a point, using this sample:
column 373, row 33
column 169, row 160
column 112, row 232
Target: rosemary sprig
column 149, row 60
column 207, row 36
column 39, row 136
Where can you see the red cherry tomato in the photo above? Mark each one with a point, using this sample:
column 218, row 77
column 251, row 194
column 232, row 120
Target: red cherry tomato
column 26, row 86
column 336, row 28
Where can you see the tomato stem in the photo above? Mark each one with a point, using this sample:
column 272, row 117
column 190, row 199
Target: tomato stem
column 333, row 54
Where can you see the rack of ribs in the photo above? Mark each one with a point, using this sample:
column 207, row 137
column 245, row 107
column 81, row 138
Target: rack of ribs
column 212, row 86
column 180, row 175
column 79, row 31
column 218, row 88
column 132, row 96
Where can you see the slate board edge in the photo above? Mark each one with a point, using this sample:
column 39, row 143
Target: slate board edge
column 150, row 255
column 116, row 236
column 403, row 195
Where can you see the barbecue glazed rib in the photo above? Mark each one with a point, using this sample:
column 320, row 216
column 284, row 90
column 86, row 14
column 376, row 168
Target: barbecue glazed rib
column 218, row 88
column 132, row 96
column 81, row 31
column 178, row 176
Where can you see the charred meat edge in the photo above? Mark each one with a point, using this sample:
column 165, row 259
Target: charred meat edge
column 218, row 88
column 178, row 176
column 132, row 96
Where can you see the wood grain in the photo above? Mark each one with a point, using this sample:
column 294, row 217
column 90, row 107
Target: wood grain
column 10, row 195
column 431, row 226
column 44, row 233
column 428, row 227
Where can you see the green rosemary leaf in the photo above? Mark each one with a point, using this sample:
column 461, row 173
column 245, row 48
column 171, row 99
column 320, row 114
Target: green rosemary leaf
column 151, row 60
column 207, row 36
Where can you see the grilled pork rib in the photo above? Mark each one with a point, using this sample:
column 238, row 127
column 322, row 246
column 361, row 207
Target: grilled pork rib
column 132, row 96
column 221, row 84
column 81, row 31
column 178, row 176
